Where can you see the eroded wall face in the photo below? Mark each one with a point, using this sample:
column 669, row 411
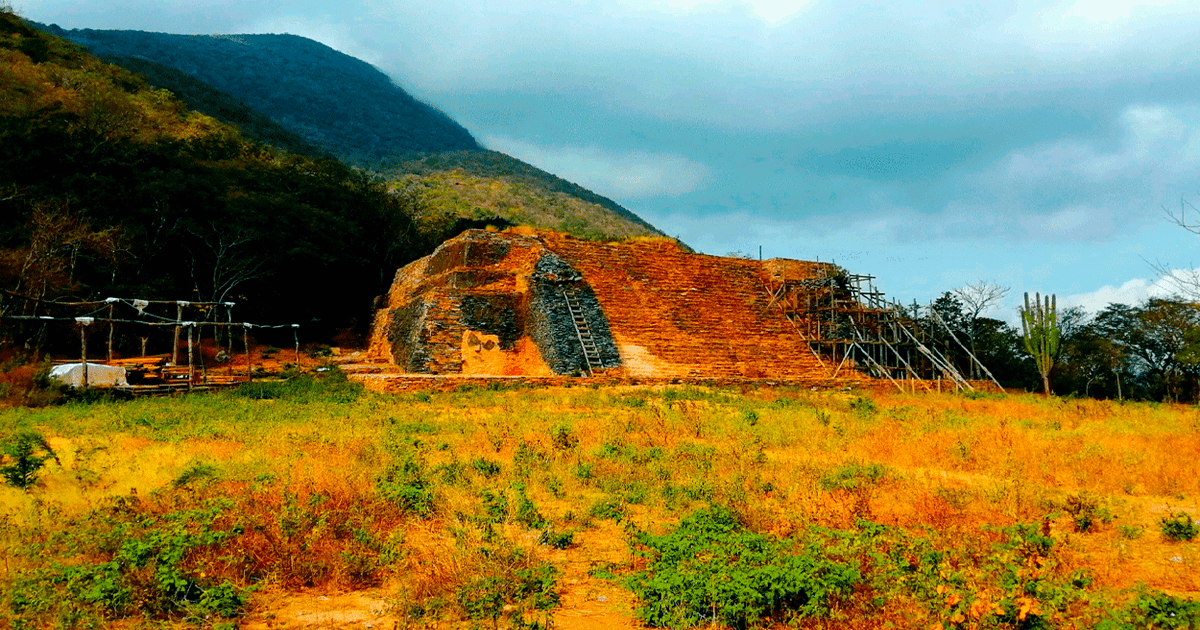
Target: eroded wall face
column 485, row 305
column 551, row 324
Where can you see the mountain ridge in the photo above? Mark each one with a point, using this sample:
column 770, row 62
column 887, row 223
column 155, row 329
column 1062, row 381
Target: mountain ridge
column 257, row 68
column 305, row 92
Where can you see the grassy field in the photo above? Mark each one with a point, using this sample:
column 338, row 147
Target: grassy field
column 668, row 507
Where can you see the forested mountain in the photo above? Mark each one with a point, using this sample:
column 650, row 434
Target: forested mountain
column 330, row 99
column 339, row 104
column 208, row 100
column 111, row 188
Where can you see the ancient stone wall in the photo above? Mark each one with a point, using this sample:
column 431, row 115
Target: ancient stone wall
column 489, row 304
column 551, row 324
column 498, row 303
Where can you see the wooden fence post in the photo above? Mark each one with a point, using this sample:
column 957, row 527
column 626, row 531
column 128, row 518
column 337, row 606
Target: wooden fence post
column 191, row 365
column 249, row 358
column 175, row 346
column 83, row 350
column 111, row 325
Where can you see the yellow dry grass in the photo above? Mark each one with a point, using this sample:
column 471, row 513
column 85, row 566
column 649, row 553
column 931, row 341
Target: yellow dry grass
column 955, row 465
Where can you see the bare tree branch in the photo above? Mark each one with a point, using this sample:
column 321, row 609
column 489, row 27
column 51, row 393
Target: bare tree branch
column 980, row 296
column 1186, row 282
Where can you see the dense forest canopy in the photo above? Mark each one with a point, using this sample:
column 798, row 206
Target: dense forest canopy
column 331, row 99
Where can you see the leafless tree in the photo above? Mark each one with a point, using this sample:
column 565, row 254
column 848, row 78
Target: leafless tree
column 979, row 297
column 1186, row 282
column 233, row 256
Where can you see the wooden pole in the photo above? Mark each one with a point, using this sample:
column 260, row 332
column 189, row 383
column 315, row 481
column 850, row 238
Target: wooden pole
column 83, row 351
column 229, row 340
column 191, row 365
column 175, row 346
column 249, row 359
column 111, row 326
column 296, row 336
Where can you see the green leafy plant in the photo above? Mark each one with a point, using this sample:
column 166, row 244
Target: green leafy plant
column 1129, row 532
column 1086, row 511
column 1156, row 610
column 510, row 583
column 527, row 513
column 712, row 570
column 556, row 539
column 1179, row 526
column 25, row 453
column 853, row 477
column 563, row 438
column 486, row 467
column 407, row 484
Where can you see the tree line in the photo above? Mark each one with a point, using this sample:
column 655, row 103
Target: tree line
column 1145, row 351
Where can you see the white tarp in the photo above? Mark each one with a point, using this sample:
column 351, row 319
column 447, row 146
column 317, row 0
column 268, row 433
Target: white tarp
column 97, row 375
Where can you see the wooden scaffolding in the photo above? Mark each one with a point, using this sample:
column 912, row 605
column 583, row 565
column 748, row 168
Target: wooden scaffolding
column 852, row 326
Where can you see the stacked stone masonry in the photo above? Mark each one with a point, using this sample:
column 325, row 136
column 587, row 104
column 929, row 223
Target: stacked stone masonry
column 495, row 303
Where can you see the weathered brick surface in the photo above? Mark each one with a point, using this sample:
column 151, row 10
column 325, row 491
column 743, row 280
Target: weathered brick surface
column 657, row 311
column 685, row 315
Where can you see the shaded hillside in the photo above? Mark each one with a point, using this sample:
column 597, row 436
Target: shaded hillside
column 354, row 111
column 329, row 98
column 111, row 188
column 210, row 101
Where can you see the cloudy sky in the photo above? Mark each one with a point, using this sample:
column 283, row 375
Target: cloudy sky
column 932, row 144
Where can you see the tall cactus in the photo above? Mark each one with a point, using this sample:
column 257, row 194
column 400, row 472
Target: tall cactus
column 1039, row 323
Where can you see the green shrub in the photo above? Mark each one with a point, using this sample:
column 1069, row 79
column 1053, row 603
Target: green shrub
column 143, row 569
column 557, row 539
column 1154, row 610
column 711, row 570
column 407, row 485
column 486, row 467
column 510, row 582
column 527, row 513
column 495, row 506
column 852, row 476
column 607, row 508
column 1085, row 510
column 196, row 472
column 527, row 458
column 563, row 438
column 584, row 471
column 25, row 453
column 864, row 407
column 1179, row 526
column 1129, row 532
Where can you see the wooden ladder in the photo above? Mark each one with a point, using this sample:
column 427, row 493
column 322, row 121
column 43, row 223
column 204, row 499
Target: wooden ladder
column 591, row 354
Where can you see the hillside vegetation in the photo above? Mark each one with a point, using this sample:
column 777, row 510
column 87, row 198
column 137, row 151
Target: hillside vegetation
column 450, row 200
column 306, row 98
column 611, row 507
column 109, row 187
column 207, row 100
column 331, row 99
